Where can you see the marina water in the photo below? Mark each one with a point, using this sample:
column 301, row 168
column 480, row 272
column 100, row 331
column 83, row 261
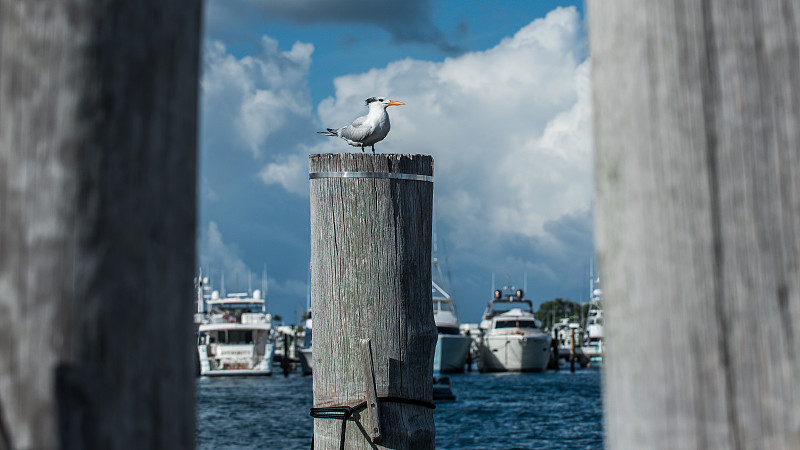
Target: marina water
column 550, row 410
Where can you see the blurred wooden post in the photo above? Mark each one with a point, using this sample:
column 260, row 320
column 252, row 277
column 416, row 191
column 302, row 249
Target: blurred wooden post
column 371, row 279
column 697, row 131
column 98, row 112
column 572, row 349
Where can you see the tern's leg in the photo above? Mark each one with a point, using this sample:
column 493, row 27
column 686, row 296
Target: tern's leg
column 373, row 149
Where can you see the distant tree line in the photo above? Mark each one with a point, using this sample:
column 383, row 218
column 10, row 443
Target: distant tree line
column 552, row 311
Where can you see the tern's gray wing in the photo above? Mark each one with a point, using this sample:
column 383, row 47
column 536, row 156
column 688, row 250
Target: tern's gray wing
column 356, row 131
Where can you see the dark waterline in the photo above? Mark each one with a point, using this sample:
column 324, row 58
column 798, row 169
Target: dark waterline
column 552, row 410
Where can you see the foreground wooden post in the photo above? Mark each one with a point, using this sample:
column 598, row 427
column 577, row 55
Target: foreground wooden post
column 98, row 110
column 371, row 279
column 697, row 131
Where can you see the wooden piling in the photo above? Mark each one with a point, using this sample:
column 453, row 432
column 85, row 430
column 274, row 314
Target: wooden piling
column 371, row 279
column 572, row 349
column 98, row 115
column 697, row 131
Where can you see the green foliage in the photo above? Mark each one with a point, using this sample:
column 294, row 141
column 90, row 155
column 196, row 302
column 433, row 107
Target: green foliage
column 552, row 310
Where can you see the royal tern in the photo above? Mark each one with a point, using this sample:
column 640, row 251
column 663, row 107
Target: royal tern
column 366, row 130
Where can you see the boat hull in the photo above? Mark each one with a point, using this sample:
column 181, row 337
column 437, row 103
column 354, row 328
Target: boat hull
column 451, row 353
column 242, row 366
column 515, row 353
column 307, row 360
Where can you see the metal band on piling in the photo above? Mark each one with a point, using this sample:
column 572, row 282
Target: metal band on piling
column 390, row 175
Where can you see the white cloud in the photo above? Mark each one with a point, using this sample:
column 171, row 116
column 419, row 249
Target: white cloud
column 290, row 172
column 222, row 258
column 509, row 127
column 246, row 100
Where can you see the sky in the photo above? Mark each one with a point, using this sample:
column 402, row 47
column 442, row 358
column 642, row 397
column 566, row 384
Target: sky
column 498, row 94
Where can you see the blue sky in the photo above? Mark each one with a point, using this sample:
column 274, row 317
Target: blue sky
column 498, row 93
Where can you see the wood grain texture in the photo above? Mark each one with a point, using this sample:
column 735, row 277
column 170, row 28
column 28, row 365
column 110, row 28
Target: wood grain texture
column 697, row 131
column 371, row 279
column 98, row 112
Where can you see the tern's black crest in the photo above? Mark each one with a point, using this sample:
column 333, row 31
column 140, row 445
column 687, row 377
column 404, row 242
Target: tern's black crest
column 373, row 99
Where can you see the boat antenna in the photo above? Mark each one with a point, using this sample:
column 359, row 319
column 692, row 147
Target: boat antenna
column 264, row 286
column 200, row 303
column 264, row 281
column 435, row 259
column 447, row 265
column 525, row 282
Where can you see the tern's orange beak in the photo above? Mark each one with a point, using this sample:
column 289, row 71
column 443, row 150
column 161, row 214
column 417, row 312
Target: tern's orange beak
column 394, row 103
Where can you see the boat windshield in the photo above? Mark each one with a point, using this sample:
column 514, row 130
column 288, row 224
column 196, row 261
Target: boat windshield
column 233, row 337
column 515, row 324
column 443, row 305
column 447, row 330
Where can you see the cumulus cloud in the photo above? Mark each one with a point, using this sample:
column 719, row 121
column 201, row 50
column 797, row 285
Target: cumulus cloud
column 246, row 100
column 291, row 172
column 221, row 257
column 509, row 128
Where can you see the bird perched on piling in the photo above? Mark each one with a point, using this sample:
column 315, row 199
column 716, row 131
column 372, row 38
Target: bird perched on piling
column 366, row 130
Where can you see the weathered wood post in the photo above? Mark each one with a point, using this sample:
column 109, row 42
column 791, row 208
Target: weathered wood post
column 371, row 279
column 98, row 112
column 697, row 131
column 572, row 350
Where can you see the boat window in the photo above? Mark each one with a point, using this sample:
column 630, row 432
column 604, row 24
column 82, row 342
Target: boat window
column 447, row 330
column 515, row 324
column 240, row 336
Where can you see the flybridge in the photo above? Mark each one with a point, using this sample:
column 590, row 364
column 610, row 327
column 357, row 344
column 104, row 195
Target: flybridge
column 240, row 300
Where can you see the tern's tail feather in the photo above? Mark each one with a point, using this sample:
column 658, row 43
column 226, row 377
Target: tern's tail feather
column 330, row 132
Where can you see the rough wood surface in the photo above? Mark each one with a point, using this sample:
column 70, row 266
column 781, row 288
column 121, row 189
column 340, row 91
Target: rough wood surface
column 697, row 131
column 371, row 279
column 98, row 111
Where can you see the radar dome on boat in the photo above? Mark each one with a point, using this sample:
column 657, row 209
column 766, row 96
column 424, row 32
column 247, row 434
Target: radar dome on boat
column 268, row 317
column 520, row 294
column 215, row 295
column 257, row 294
column 598, row 292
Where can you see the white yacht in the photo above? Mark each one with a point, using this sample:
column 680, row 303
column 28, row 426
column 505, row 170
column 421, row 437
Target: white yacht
column 307, row 350
column 593, row 341
column 452, row 347
column 234, row 335
column 512, row 338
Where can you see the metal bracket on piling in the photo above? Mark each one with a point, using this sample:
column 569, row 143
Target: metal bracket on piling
column 373, row 412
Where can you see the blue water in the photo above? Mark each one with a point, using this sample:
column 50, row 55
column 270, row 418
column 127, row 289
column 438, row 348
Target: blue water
column 551, row 410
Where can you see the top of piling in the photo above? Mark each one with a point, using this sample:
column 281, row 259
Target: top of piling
column 366, row 162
